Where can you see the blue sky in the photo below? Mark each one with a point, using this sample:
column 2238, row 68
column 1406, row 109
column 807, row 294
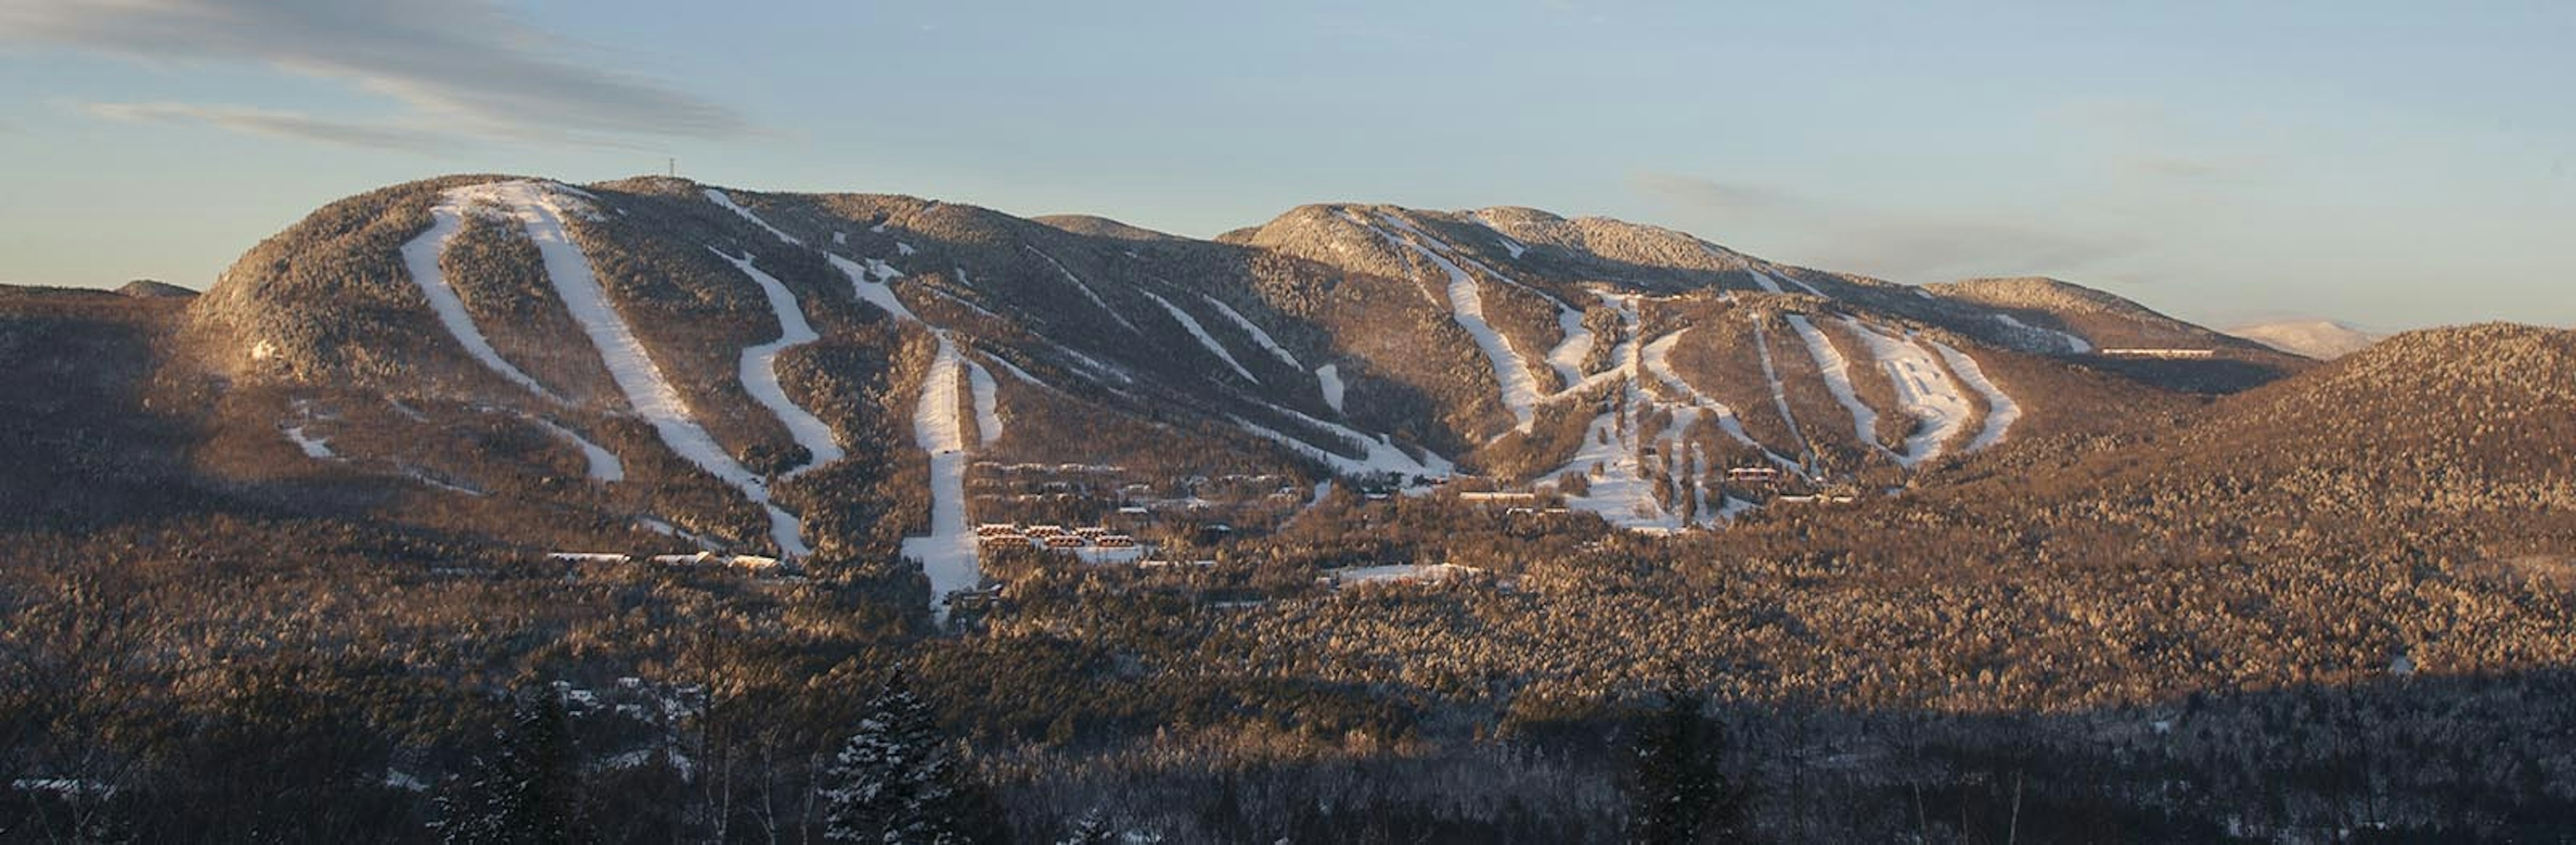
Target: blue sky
column 2391, row 164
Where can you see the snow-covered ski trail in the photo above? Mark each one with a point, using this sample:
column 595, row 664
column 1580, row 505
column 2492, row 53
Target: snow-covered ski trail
column 720, row 198
column 603, row 465
column 1258, row 336
column 1084, row 287
column 1779, row 392
column 541, row 211
column 947, row 553
column 1923, row 390
column 1191, row 325
column 2075, row 345
column 987, row 394
column 420, row 257
column 1836, row 372
column 1328, row 378
column 759, row 369
column 1657, row 358
column 2001, row 410
column 1519, row 391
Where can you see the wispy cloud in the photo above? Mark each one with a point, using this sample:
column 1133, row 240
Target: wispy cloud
column 467, row 65
column 275, row 124
column 1909, row 246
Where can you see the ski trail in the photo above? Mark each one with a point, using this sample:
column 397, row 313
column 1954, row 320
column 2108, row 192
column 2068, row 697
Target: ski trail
column 1773, row 283
column 759, row 370
column 1078, row 284
column 1258, row 336
column 1520, row 394
column 719, row 197
column 1779, row 392
column 1923, row 390
column 420, row 257
column 1657, row 358
column 1837, row 375
column 2001, row 410
column 1329, row 379
column 541, row 211
column 1191, row 324
column 603, row 465
column 947, row 553
column 987, row 395
column 1382, row 457
column 2074, row 344
column 872, row 291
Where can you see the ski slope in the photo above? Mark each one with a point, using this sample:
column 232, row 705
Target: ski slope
column 1837, row 377
column 1258, row 336
column 1191, row 324
column 541, row 211
column 2001, row 410
column 987, row 395
column 720, row 198
column 1080, row 285
column 2074, row 344
column 1779, row 392
column 603, row 465
column 759, row 369
column 1657, row 358
column 420, row 258
column 1520, row 393
column 947, row 553
column 1923, row 390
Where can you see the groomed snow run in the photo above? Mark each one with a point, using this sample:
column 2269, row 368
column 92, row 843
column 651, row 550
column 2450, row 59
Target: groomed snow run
column 720, row 198
column 2075, row 345
column 760, row 370
column 2001, row 410
column 870, row 290
column 1080, row 285
column 1837, row 376
column 1779, row 392
column 603, row 465
column 541, row 210
column 1381, row 454
column 987, row 394
column 1258, row 336
column 1520, row 394
column 1191, row 324
column 1657, row 358
column 420, row 257
column 947, row 553
column 1923, row 391
column 1329, row 378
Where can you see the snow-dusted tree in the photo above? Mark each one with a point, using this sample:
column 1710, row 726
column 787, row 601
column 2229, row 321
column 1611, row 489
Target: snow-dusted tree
column 1679, row 792
column 523, row 791
column 897, row 780
column 1092, row 828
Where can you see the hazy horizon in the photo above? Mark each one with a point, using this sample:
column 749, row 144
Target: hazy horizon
column 2224, row 165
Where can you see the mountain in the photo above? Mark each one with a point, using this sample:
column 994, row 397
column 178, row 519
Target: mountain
column 149, row 287
column 2324, row 340
column 849, row 379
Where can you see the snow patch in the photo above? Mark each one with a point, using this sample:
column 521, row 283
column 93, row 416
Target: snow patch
column 314, row 446
column 1329, row 378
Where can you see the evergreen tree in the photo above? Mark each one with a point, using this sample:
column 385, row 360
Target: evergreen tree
column 1092, row 828
column 1679, row 793
column 898, row 781
column 525, row 791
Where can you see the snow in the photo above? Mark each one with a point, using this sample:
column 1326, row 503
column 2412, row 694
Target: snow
column 759, row 370
column 947, row 554
column 1511, row 246
column 1087, row 292
column 1773, row 283
column 1402, row 572
column 1258, row 336
column 1657, row 358
column 841, row 238
column 1837, row 375
column 1779, row 392
column 1923, row 389
column 420, row 257
column 1016, row 372
column 313, row 446
column 1198, row 331
column 1520, row 394
column 721, row 199
column 901, row 248
column 1329, row 378
column 871, row 291
column 2001, row 410
column 541, row 211
column 604, row 465
column 1381, row 456
column 987, row 394
column 2074, row 344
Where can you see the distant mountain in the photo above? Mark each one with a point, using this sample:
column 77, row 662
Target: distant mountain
column 150, row 288
column 2324, row 340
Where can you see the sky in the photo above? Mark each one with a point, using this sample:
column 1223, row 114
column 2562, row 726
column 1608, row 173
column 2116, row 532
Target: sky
column 2390, row 164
